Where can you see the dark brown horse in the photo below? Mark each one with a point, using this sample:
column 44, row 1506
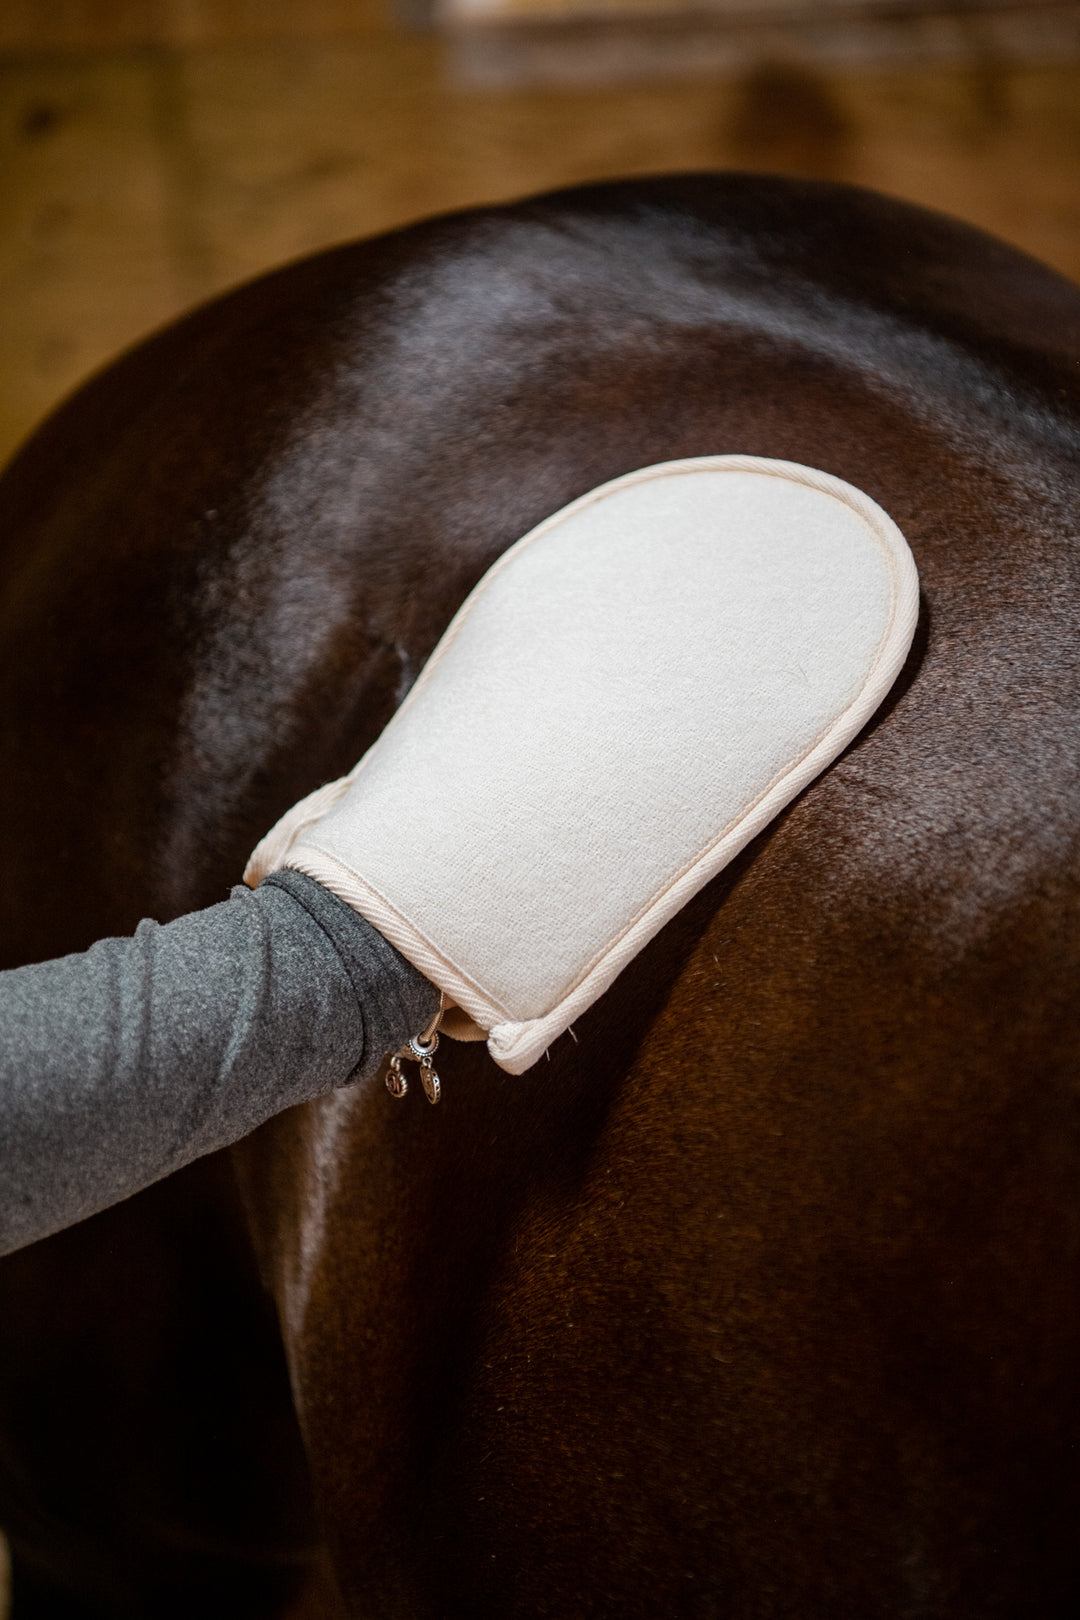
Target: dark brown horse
column 760, row 1300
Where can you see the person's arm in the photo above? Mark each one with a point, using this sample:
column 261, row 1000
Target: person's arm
column 122, row 1064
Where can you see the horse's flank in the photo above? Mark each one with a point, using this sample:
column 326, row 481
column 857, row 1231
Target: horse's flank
column 756, row 1300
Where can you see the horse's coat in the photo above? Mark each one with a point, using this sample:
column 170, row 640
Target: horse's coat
column 758, row 1300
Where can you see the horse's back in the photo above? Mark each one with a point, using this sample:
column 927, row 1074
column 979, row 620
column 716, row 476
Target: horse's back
column 756, row 1299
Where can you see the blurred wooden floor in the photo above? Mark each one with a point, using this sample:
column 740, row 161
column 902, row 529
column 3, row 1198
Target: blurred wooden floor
column 143, row 168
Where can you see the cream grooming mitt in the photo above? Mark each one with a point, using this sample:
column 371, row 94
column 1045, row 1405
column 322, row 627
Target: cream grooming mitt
column 628, row 696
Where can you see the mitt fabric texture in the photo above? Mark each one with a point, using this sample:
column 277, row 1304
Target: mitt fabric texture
column 627, row 697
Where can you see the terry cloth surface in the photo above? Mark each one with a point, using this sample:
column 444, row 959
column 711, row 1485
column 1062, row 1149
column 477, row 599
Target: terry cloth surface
column 628, row 696
column 122, row 1063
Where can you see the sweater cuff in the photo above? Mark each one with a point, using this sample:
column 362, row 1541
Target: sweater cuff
column 395, row 1001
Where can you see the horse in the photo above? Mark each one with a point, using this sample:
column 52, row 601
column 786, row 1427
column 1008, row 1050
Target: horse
column 757, row 1297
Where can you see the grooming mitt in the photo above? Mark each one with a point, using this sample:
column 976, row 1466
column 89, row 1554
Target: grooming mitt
column 628, row 696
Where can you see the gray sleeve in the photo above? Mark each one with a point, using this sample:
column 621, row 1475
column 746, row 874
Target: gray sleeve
column 121, row 1064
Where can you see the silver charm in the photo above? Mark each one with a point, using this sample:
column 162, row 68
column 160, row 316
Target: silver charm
column 420, row 1052
column 396, row 1083
column 424, row 1051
